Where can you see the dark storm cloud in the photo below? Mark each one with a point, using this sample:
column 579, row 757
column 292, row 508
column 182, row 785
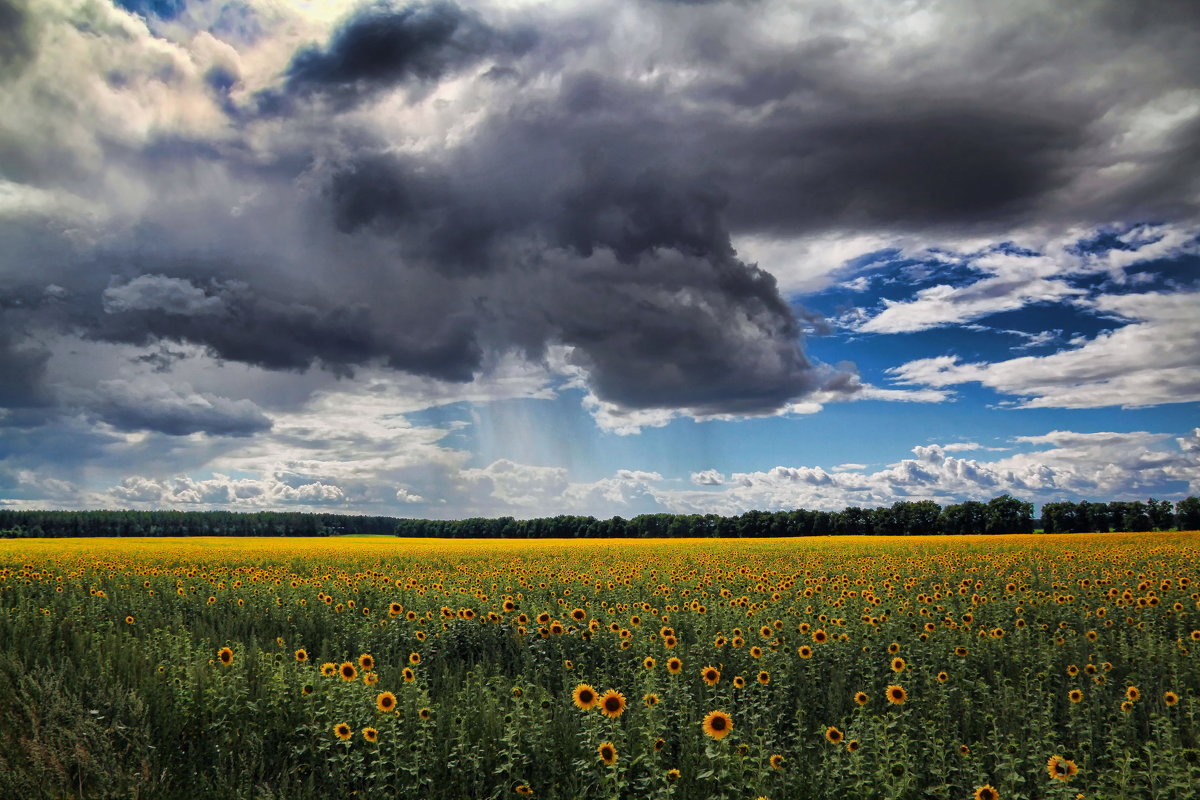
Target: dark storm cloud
column 384, row 44
column 268, row 329
column 16, row 38
column 132, row 407
column 579, row 187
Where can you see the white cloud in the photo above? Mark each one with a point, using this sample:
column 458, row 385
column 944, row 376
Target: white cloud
column 708, row 477
column 1014, row 280
column 1153, row 359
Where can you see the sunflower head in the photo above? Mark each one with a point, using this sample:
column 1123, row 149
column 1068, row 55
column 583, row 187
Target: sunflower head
column 584, row 697
column 385, row 702
column 763, row 677
column 1170, row 698
column 776, row 761
column 366, row 661
column 650, row 699
column 717, row 724
column 612, row 704
column 342, row 731
column 711, row 675
column 348, row 671
column 896, row 695
column 370, row 734
column 225, row 656
column 1075, row 696
column 860, row 698
column 897, row 664
column 674, row 665
column 608, row 753
column 833, row 735
column 329, row 669
column 302, row 655
column 986, row 792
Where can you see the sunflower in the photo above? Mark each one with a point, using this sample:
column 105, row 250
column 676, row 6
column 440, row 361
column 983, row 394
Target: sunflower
column 833, row 735
column 370, row 678
column 608, row 753
column 711, row 675
column 612, row 704
column 225, row 656
column 348, row 672
column 673, row 774
column 523, row 789
column 776, row 761
column 1170, row 698
column 852, row 746
column 804, row 651
column 385, row 702
column 329, row 669
column 674, row 665
column 408, row 675
column 763, row 677
column 819, row 636
column 717, row 724
column 659, row 744
column 861, row 698
column 343, row 731
column 366, row 661
column 302, row 655
column 584, row 697
column 370, row 734
column 942, row 677
column 1126, row 706
column 414, row 658
column 897, row 664
column 1075, row 696
column 1061, row 769
column 1133, row 694
column 964, row 750
column 424, row 713
column 896, row 694
column 650, row 699
column 129, row 620
column 961, row 652
column 648, row 662
column 986, row 792
column 739, row 682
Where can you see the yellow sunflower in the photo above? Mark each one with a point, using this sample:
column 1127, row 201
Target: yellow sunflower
column 717, row 724
column 584, row 697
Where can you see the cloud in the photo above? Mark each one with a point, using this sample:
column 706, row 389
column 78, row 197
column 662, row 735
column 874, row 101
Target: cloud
column 1097, row 466
column 1151, row 360
column 383, row 44
column 1019, row 278
column 708, row 477
column 155, row 406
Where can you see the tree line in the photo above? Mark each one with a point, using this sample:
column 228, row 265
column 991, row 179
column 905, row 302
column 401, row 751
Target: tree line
column 1003, row 514
column 60, row 524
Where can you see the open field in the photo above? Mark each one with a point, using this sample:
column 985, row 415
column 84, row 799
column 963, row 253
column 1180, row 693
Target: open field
column 911, row 667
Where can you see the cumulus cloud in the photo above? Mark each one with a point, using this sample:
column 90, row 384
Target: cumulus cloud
column 1015, row 279
column 1153, row 358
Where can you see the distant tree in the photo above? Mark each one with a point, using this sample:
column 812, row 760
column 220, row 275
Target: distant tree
column 1187, row 514
column 1006, row 514
column 1162, row 514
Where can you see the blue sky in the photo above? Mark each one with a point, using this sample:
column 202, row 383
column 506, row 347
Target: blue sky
column 520, row 258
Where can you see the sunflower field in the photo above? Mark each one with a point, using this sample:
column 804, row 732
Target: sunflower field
column 961, row 668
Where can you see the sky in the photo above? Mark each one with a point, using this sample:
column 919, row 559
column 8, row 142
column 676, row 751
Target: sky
column 442, row 259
